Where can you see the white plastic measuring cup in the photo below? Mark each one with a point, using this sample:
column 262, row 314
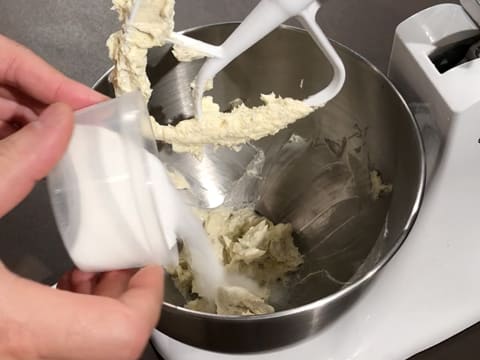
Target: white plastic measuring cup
column 112, row 199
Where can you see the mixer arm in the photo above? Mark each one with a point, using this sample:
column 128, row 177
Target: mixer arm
column 263, row 19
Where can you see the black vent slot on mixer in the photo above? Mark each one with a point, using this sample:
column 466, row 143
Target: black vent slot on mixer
column 452, row 55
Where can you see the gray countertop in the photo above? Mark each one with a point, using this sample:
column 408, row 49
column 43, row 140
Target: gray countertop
column 71, row 35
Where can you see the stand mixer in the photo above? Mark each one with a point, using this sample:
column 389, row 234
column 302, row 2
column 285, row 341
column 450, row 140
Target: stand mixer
column 428, row 291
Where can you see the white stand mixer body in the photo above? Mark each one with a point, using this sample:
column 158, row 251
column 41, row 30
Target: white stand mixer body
column 430, row 290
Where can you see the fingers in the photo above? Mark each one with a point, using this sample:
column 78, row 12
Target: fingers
column 13, row 116
column 109, row 284
column 144, row 294
column 12, row 110
column 78, row 281
column 65, row 283
column 29, row 154
column 12, row 94
column 21, row 68
column 113, row 283
column 26, row 83
column 141, row 290
column 63, row 325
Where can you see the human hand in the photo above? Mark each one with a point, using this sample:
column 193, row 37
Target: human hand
column 110, row 317
column 36, row 119
column 92, row 316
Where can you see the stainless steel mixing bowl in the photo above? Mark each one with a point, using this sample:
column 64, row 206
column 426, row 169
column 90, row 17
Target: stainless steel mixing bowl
column 314, row 174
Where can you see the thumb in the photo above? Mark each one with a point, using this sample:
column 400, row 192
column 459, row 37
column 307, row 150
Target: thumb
column 29, row 154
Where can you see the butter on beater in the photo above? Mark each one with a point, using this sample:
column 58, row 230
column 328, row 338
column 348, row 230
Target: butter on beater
column 234, row 128
column 151, row 26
